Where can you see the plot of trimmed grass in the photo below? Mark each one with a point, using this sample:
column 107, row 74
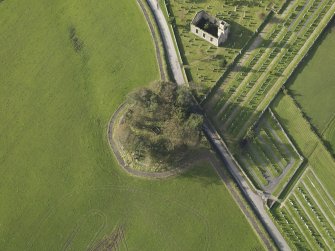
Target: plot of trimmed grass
column 60, row 185
column 306, row 140
column 313, row 86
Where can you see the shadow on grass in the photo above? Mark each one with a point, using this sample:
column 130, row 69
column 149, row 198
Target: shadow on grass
column 203, row 173
column 259, row 149
column 238, row 36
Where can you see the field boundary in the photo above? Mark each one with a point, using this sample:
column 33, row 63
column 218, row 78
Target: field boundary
column 313, row 130
column 316, row 131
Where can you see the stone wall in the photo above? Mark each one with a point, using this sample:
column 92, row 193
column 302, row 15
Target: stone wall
column 215, row 40
column 205, row 35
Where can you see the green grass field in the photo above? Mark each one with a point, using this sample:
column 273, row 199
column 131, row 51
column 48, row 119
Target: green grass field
column 65, row 66
column 313, row 86
column 308, row 142
column 319, row 168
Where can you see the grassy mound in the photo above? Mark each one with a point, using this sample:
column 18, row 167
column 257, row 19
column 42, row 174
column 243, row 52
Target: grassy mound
column 159, row 128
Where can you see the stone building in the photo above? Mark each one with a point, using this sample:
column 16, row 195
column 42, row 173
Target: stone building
column 210, row 28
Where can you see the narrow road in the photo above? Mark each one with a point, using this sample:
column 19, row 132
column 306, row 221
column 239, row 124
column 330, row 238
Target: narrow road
column 254, row 199
column 169, row 45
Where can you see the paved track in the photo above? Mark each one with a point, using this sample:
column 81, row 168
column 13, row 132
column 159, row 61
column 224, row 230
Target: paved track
column 169, row 45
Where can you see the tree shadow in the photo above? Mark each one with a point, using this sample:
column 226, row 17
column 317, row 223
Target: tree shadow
column 203, row 172
column 243, row 69
column 260, row 149
column 198, row 1
column 242, row 3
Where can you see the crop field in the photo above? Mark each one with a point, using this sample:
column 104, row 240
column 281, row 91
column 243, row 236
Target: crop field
column 261, row 72
column 65, row 66
column 307, row 213
column 270, row 158
column 313, row 86
column 206, row 63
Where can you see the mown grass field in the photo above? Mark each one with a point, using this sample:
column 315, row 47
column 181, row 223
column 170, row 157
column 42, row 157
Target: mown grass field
column 307, row 142
column 313, row 86
column 306, row 212
column 65, row 66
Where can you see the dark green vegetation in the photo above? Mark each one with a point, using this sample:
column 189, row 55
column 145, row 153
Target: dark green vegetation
column 314, row 86
column 61, row 188
column 161, row 125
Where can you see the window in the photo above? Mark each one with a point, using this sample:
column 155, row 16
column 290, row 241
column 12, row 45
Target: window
column 196, row 31
column 211, row 39
column 204, row 35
